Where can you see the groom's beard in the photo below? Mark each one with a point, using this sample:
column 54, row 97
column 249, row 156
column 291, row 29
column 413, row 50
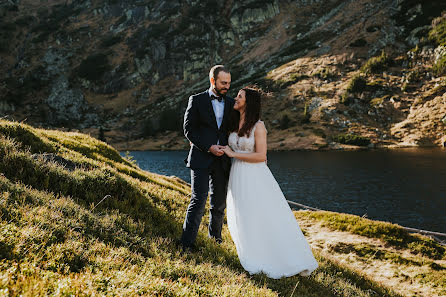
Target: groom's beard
column 218, row 91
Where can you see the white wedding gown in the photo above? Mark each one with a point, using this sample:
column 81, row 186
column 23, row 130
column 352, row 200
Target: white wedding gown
column 265, row 232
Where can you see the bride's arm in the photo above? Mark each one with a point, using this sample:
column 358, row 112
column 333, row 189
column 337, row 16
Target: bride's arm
column 260, row 148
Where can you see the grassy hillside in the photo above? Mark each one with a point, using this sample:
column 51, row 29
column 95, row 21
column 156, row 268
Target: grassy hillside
column 78, row 219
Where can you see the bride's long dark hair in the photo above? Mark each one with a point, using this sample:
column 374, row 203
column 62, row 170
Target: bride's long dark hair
column 253, row 97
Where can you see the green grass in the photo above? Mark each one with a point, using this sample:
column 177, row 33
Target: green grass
column 377, row 101
column 438, row 33
column 368, row 252
column 439, row 68
column 428, row 271
column 375, row 64
column 59, row 236
column 391, row 233
column 324, row 73
column 438, row 36
column 357, row 84
column 352, row 139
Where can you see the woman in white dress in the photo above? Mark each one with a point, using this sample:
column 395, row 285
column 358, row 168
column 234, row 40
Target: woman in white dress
column 265, row 232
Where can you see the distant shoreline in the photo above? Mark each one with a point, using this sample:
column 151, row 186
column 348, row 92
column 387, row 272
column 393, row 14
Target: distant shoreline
column 123, row 148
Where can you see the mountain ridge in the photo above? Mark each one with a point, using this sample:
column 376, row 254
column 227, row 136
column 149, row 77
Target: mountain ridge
column 127, row 68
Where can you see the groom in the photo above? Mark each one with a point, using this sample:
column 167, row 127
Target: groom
column 206, row 126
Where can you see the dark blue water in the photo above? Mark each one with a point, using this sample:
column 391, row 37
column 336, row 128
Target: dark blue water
column 406, row 186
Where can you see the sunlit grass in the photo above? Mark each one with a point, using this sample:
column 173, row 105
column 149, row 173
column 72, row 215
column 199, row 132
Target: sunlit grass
column 107, row 227
column 388, row 232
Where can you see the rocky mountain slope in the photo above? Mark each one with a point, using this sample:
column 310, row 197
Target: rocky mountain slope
column 341, row 73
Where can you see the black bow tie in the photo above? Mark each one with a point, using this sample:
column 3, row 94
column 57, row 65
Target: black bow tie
column 215, row 97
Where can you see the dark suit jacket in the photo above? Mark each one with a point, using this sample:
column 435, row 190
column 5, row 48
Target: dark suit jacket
column 200, row 128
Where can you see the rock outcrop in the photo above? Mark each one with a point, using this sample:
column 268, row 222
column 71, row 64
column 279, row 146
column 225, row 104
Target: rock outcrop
column 128, row 65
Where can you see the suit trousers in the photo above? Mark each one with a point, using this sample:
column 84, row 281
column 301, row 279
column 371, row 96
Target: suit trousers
column 203, row 180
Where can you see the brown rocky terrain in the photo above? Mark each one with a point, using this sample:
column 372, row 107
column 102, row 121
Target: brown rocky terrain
column 340, row 73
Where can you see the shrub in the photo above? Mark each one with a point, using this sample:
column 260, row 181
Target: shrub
column 345, row 99
column 170, row 120
column 101, row 135
column 111, row 40
column 306, row 115
column 319, row 132
column 376, row 64
column 297, row 77
column 324, row 73
column 438, row 33
column 440, row 67
column 357, row 84
column 156, row 30
column 377, row 101
column 93, row 67
column 148, row 129
column 352, row 139
column 6, row 33
column 358, row 43
column 284, row 122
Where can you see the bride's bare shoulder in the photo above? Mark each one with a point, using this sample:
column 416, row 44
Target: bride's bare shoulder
column 260, row 128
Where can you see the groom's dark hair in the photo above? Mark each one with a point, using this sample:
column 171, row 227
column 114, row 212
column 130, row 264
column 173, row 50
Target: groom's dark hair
column 215, row 70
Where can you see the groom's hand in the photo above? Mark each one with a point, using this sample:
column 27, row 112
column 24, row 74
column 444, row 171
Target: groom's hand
column 216, row 150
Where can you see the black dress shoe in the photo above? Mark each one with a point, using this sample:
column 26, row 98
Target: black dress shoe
column 189, row 248
column 218, row 240
column 186, row 248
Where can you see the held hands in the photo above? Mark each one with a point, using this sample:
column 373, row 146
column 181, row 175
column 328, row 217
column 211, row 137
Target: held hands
column 228, row 151
column 217, row 150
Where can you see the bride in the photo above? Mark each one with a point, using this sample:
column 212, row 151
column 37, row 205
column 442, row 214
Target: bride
column 265, row 232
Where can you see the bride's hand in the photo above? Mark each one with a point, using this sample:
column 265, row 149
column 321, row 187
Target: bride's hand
column 228, row 151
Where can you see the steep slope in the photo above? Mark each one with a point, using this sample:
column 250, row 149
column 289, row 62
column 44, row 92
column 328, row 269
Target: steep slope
column 123, row 70
column 76, row 218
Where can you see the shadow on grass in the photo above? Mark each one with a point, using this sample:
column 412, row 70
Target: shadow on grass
column 87, row 188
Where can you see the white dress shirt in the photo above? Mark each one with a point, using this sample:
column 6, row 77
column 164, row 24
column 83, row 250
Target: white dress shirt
column 219, row 107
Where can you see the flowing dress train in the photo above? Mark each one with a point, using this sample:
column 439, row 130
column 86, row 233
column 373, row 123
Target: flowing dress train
column 265, row 232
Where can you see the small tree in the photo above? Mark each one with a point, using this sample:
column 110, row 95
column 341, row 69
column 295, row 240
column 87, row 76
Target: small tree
column 306, row 115
column 101, row 134
column 284, row 122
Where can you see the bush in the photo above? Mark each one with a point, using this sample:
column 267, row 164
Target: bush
column 352, row 139
column 377, row 101
column 438, row 33
column 284, row 122
column 111, row 40
column 157, row 30
column 306, row 115
column 324, row 73
column 170, row 120
column 376, row 64
column 357, row 84
column 94, row 67
column 6, row 33
column 440, row 67
column 148, row 129
column 358, row 43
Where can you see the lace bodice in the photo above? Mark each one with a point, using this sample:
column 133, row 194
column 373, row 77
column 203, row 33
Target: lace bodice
column 245, row 144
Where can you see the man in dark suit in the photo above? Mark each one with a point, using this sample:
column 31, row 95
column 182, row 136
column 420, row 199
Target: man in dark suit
column 206, row 122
